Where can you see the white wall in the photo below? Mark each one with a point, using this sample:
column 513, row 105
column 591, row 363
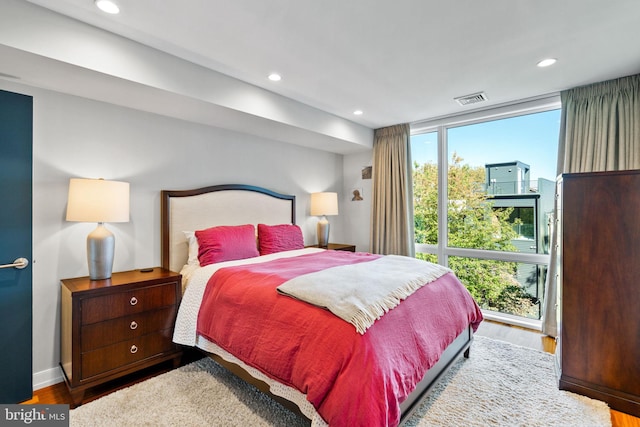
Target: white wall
column 77, row 137
column 356, row 215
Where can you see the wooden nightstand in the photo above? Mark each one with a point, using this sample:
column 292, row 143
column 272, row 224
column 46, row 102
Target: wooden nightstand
column 113, row 327
column 338, row 247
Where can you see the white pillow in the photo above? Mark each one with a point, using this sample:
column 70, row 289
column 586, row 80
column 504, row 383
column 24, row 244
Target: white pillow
column 194, row 247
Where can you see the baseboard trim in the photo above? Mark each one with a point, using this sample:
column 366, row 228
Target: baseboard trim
column 47, row 378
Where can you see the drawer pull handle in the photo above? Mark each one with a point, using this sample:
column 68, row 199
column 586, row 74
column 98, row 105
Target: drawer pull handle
column 133, row 301
column 134, row 349
column 133, row 325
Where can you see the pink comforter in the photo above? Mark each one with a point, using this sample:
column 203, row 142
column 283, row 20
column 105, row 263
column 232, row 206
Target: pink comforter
column 351, row 379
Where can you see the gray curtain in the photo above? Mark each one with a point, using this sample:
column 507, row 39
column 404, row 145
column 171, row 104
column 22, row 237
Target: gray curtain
column 599, row 131
column 392, row 201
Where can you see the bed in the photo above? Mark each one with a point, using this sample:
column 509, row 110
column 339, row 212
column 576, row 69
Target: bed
column 326, row 370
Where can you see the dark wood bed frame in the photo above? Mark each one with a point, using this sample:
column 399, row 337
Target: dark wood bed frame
column 459, row 347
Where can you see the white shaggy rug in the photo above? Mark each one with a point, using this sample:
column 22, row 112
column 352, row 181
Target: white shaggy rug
column 500, row 384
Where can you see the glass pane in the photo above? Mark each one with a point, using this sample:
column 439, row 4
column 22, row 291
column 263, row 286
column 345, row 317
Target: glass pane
column 506, row 287
column 501, row 183
column 427, row 257
column 424, row 153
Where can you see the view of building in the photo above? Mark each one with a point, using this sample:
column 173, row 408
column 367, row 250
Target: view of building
column 508, row 185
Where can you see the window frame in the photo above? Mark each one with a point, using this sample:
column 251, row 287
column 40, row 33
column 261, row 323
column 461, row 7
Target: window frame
column 442, row 249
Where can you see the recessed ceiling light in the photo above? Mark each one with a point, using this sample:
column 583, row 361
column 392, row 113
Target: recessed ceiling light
column 358, row 112
column 108, row 6
column 546, row 62
column 275, row 77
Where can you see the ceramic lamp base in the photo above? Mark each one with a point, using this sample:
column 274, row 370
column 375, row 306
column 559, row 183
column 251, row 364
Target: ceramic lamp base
column 323, row 232
column 100, row 248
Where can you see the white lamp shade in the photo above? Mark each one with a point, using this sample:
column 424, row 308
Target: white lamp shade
column 98, row 200
column 324, row 204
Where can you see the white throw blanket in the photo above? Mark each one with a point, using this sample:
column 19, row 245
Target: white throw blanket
column 362, row 293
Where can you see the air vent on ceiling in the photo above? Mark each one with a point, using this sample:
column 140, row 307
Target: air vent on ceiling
column 471, row 99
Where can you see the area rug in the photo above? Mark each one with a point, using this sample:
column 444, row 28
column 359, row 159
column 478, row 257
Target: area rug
column 500, row 384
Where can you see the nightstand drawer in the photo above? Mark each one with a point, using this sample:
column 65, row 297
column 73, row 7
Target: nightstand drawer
column 98, row 309
column 126, row 352
column 103, row 334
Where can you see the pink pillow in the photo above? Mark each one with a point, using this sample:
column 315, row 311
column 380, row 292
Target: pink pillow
column 226, row 243
column 278, row 238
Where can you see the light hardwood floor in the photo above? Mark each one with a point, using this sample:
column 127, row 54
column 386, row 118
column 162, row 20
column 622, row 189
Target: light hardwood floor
column 524, row 337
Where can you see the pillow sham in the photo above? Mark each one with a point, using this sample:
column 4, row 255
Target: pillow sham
column 226, row 243
column 278, row 238
column 192, row 243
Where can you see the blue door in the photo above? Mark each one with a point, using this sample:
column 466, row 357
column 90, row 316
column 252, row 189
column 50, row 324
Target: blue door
column 16, row 114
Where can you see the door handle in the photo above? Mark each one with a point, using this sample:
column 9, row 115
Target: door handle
column 19, row 263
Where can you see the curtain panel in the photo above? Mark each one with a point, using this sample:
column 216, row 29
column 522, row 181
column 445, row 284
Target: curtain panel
column 599, row 131
column 601, row 127
column 392, row 201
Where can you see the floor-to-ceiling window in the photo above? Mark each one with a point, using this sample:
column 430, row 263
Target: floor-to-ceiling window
column 483, row 202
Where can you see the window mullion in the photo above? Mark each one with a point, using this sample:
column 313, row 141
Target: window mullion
column 443, row 197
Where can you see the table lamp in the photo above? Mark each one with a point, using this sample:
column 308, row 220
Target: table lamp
column 98, row 200
column 323, row 204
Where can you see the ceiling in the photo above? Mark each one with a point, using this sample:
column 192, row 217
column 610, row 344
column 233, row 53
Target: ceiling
column 397, row 61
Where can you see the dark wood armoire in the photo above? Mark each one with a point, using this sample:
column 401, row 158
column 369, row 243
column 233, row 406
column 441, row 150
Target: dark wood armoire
column 599, row 347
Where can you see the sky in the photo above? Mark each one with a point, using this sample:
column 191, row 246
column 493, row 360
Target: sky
column 530, row 139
